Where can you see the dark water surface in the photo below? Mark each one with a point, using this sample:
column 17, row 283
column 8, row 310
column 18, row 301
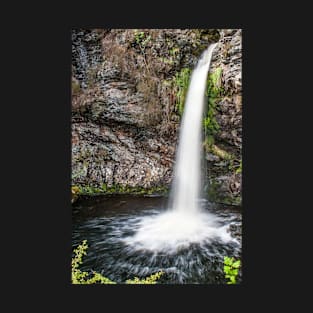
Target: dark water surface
column 104, row 221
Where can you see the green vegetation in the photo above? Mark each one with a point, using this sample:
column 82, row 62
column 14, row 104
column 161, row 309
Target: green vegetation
column 239, row 169
column 117, row 189
column 79, row 277
column 231, row 161
column 174, row 51
column 141, row 39
column 224, row 155
column 181, row 83
column 152, row 279
column 231, row 268
column 75, row 193
column 139, row 36
column 214, row 93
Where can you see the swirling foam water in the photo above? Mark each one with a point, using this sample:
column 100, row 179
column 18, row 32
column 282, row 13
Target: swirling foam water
column 142, row 241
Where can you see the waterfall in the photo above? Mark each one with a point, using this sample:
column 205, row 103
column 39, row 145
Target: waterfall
column 187, row 174
column 184, row 223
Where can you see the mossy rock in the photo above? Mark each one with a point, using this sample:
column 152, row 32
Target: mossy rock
column 218, row 192
column 118, row 189
column 209, row 35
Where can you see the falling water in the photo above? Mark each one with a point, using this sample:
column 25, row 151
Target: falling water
column 184, row 222
column 187, row 174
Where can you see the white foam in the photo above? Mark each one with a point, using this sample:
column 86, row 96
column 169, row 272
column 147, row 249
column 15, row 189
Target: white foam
column 174, row 230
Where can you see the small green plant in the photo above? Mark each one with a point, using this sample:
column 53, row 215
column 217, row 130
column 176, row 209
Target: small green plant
column 75, row 192
column 139, row 36
column 209, row 122
column 214, row 83
column 239, row 169
column 214, row 93
column 231, row 268
column 181, row 82
column 174, row 52
column 141, row 39
column 152, row 279
column 79, row 277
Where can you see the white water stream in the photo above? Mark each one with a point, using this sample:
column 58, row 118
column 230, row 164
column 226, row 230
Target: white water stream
column 187, row 174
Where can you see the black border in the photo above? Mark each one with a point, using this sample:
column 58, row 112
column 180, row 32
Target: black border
column 45, row 178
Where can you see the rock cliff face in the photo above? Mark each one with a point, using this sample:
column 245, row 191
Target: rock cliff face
column 225, row 159
column 125, row 115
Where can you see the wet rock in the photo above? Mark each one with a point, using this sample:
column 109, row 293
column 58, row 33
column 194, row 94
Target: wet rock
column 225, row 189
column 228, row 56
column 236, row 231
column 212, row 157
column 102, row 155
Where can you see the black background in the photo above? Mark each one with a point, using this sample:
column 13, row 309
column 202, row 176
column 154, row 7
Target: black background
column 36, row 140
